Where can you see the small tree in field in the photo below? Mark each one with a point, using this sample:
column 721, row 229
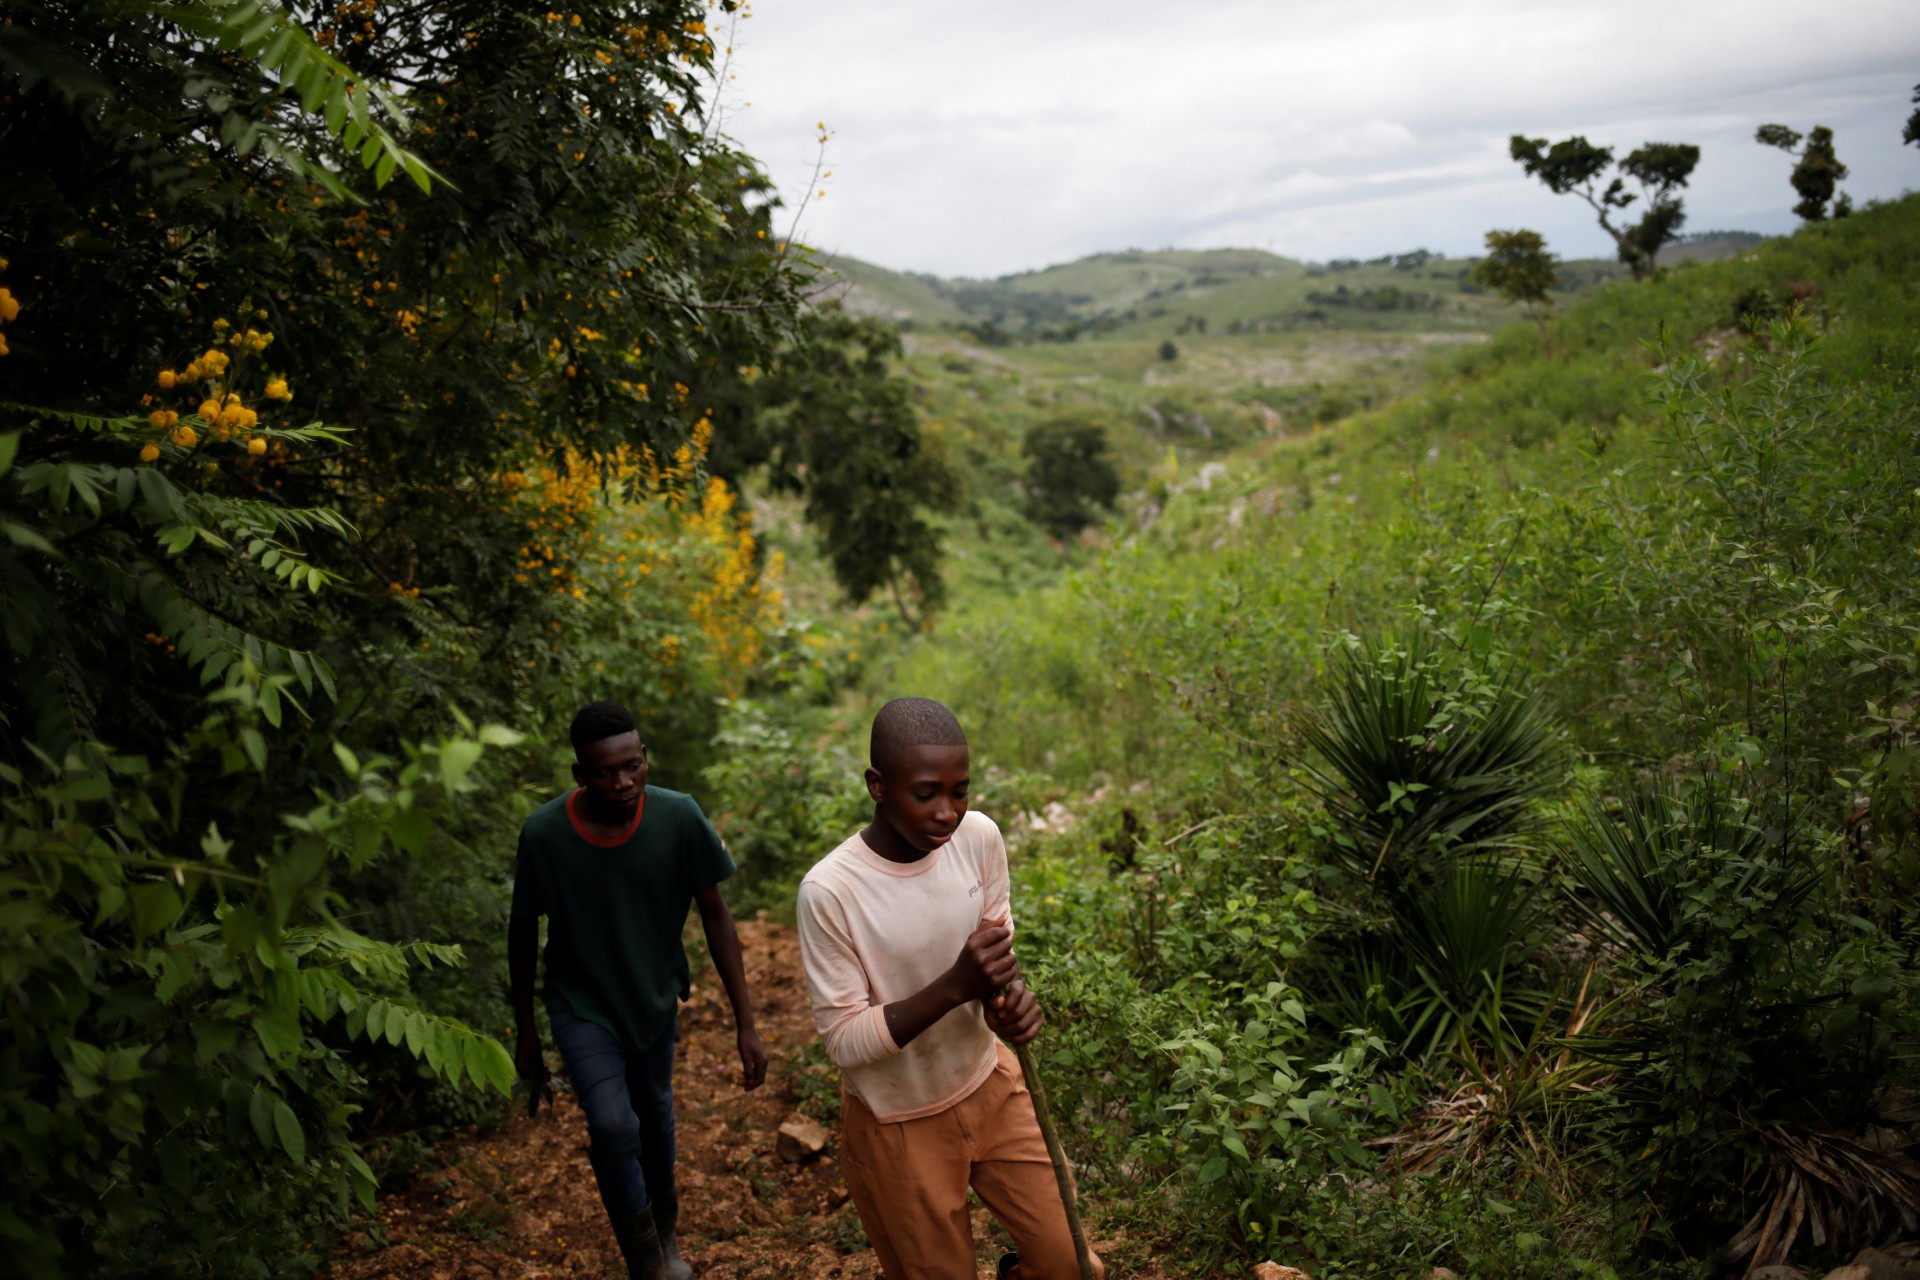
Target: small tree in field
column 1070, row 476
column 1819, row 170
column 1912, row 132
column 1576, row 165
column 1520, row 269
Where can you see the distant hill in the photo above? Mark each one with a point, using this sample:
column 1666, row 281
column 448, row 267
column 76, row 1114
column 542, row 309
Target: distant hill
column 1174, row 292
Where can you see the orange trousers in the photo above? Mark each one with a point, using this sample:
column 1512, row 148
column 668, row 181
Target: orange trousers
column 909, row 1180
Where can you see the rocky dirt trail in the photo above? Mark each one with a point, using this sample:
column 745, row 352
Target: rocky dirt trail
column 519, row 1203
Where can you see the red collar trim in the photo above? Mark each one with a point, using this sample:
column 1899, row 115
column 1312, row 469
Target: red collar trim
column 573, row 816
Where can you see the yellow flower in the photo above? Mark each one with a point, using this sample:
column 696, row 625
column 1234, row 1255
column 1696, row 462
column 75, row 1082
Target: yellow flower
column 257, row 446
column 186, row 437
column 167, row 378
column 149, row 451
column 9, row 305
column 210, row 410
column 277, row 389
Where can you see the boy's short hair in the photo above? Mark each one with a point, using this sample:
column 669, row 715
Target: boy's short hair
column 599, row 720
column 911, row 722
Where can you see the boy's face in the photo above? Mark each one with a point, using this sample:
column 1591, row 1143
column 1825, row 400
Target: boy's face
column 614, row 771
column 923, row 794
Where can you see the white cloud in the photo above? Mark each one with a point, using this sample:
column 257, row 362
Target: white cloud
column 988, row 137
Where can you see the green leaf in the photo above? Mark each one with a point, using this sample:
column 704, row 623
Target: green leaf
column 417, row 1034
column 363, row 1180
column 9, row 449
column 287, row 1126
column 260, row 1116
column 255, row 747
column 21, row 536
column 436, row 1046
column 488, row 1064
column 279, row 1032
column 177, row 965
column 456, row 760
column 155, row 906
column 410, row 830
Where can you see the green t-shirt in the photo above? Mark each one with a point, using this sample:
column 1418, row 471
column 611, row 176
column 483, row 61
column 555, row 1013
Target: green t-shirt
column 616, row 908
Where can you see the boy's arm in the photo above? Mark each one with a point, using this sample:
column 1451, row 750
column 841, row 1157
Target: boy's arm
column 523, row 955
column 985, row 964
column 723, row 943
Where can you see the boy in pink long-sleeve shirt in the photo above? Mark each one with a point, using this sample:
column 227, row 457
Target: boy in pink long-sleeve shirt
column 906, row 935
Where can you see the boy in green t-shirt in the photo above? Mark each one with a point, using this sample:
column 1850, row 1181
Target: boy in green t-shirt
column 613, row 866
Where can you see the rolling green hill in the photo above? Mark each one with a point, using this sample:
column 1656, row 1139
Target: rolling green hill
column 1171, row 293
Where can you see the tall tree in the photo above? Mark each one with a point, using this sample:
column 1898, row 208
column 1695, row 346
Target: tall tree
column 1070, row 475
column 837, row 426
column 1815, row 174
column 1912, row 131
column 1574, row 165
column 1519, row 267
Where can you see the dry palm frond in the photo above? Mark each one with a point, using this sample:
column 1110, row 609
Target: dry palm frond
column 1838, row 1189
column 1525, row 1086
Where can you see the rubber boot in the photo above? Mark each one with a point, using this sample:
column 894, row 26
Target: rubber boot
column 639, row 1241
column 666, row 1216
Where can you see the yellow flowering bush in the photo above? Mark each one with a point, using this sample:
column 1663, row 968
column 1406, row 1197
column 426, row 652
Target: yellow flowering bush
column 217, row 379
column 663, row 547
column 9, row 309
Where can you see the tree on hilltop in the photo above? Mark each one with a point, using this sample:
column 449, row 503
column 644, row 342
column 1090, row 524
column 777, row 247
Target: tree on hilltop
column 1912, row 132
column 1520, row 269
column 1816, row 175
column 1577, row 166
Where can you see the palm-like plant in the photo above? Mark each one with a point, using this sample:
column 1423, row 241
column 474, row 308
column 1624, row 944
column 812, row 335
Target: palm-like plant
column 1427, row 758
column 1464, row 934
column 1723, row 1051
column 1634, row 866
column 1430, row 768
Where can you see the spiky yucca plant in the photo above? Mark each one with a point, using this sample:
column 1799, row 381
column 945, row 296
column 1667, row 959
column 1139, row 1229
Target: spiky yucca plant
column 1755, row 1042
column 1428, row 758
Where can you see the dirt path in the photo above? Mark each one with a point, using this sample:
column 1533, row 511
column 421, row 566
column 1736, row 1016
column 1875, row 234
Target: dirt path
column 520, row 1204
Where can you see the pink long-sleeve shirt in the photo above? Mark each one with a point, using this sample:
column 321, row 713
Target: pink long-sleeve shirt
column 873, row 932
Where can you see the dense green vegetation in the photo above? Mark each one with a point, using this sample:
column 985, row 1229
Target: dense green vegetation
column 344, row 429
column 1463, row 783
column 1513, row 786
column 1479, row 832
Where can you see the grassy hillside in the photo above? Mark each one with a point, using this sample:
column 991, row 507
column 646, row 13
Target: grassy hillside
column 1656, row 594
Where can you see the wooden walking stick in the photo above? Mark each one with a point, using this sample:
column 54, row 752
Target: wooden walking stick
column 1031, row 1072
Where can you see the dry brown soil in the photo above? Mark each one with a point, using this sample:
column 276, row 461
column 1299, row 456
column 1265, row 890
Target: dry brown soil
column 519, row 1203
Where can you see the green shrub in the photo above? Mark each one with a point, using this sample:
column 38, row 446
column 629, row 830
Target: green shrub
column 179, row 1083
column 781, row 802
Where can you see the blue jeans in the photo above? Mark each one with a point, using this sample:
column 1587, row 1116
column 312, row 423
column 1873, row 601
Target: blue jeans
column 628, row 1098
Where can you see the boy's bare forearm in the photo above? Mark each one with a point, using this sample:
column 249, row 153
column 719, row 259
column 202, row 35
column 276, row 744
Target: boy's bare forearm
column 723, row 943
column 984, row 966
column 907, row 1018
column 523, row 958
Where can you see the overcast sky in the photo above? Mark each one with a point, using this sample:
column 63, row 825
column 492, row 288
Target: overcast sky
column 982, row 137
